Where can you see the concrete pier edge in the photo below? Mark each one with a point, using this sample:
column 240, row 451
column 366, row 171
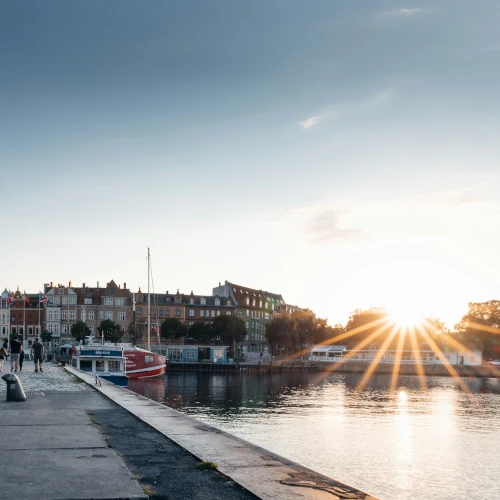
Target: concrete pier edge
column 260, row 471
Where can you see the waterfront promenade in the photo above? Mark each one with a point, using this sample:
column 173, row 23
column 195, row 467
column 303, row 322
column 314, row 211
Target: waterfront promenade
column 72, row 440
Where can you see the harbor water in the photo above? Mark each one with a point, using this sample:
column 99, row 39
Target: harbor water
column 414, row 442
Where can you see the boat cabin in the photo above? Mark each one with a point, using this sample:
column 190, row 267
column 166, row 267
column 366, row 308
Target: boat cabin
column 328, row 353
column 100, row 360
column 197, row 353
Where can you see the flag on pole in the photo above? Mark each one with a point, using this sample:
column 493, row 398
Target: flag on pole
column 44, row 299
column 27, row 300
column 11, row 300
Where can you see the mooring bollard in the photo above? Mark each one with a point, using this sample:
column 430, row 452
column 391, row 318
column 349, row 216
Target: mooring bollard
column 15, row 390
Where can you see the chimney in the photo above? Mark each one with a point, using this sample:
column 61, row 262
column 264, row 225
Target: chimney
column 69, row 284
column 124, row 285
column 225, row 282
column 51, row 284
column 97, row 284
column 83, row 285
column 167, row 292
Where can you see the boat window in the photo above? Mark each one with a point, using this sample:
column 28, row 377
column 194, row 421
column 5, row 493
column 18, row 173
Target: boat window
column 148, row 359
column 85, row 366
column 99, row 365
column 114, row 366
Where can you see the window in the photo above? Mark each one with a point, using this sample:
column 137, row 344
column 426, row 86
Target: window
column 101, row 314
column 61, row 291
column 72, row 314
column 87, row 300
column 266, row 304
column 109, row 315
column 260, row 304
column 111, row 291
column 191, row 301
column 253, row 302
column 64, row 329
column 64, row 314
column 228, row 313
column 213, row 314
column 168, row 299
column 139, row 310
column 161, row 311
column 247, row 301
column 108, row 301
column 167, row 312
column 191, row 312
column 246, row 324
column 56, row 328
column 148, row 359
column 113, row 366
column 64, row 300
column 203, row 301
column 248, row 312
column 121, row 316
column 202, row 313
column 177, row 300
column 177, row 312
column 91, row 314
column 57, row 300
column 218, row 313
column 119, row 302
column 190, row 354
column 72, row 299
column 50, row 315
column 217, row 302
column 99, row 365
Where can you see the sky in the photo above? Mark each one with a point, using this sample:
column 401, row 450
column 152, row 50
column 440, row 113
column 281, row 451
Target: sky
column 343, row 154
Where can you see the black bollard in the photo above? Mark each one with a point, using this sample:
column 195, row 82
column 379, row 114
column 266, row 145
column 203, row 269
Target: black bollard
column 15, row 390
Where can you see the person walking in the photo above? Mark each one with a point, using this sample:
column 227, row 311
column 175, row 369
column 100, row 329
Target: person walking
column 37, row 352
column 15, row 351
column 3, row 355
column 21, row 360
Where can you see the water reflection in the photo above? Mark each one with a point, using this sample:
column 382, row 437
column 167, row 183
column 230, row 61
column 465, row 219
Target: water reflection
column 400, row 444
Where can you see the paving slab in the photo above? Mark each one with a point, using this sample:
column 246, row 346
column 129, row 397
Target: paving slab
column 45, row 437
column 67, row 474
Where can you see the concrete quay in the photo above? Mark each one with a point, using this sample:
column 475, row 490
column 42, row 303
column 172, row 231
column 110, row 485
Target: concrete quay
column 68, row 442
column 259, row 471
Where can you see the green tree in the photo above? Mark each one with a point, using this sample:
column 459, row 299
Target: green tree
column 136, row 332
column 46, row 336
column 481, row 324
column 201, row 332
column 282, row 336
column 111, row 330
column 79, row 331
column 172, row 328
column 231, row 330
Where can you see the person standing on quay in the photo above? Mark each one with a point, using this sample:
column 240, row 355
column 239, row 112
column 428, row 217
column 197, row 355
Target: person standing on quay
column 3, row 355
column 37, row 352
column 15, row 350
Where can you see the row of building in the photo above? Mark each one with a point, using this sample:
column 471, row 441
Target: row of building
column 59, row 306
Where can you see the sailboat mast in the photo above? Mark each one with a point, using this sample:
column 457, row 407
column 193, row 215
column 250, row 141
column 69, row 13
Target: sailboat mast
column 149, row 309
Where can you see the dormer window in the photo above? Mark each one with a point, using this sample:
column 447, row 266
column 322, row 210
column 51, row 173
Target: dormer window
column 177, row 300
column 217, row 302
column 191, row 301
column 229, row 303
column 61, row 291
column 247, row 301
column 203, row 301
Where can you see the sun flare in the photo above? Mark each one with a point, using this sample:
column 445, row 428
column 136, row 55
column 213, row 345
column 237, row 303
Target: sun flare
column 405, row 317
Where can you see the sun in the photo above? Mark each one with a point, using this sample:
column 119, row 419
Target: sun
column 405, row 317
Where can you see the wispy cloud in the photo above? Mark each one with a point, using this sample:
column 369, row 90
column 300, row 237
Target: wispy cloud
column 310, row 122
column 380, row 99
column 430, row 217
column 405, row 12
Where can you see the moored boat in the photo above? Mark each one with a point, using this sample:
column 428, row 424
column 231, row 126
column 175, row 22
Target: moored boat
column 140, row 363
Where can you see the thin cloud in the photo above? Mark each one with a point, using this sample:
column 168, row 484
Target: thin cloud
column 401, row 13
column 380, row 99
column 310, row 122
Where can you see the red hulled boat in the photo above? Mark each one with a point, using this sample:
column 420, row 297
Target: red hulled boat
column 140, row 363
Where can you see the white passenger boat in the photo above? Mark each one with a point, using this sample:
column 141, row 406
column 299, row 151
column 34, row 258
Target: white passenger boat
column 103, row 361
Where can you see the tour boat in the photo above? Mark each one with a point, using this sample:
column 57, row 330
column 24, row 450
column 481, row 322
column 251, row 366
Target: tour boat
column 105, row 361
